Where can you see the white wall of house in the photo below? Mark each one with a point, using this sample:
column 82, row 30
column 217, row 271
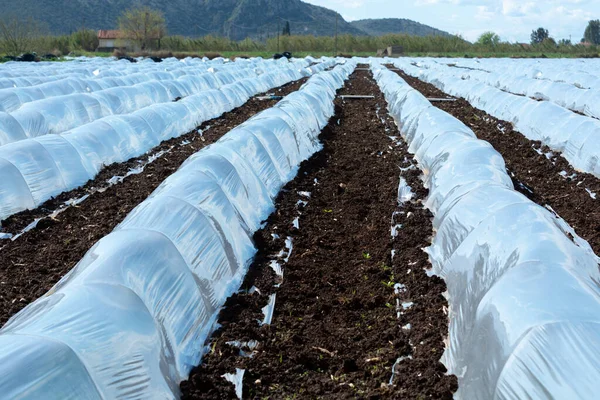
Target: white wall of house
column 129, row 45
column 107, row 43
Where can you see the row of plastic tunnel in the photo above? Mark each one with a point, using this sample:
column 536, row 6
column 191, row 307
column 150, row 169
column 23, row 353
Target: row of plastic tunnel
column 22, row 75
column 117, row 124
column 130, row 320
column 523, row 288
column 539, row 107
column 580, row 94
column 97, row 89
column 581, row 73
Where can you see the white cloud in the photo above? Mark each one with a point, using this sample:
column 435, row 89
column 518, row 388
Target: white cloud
column 484, row 13
column 335, row 4
column 454, row 2
column 512, row 19
column 349, row 18
column 516, row 8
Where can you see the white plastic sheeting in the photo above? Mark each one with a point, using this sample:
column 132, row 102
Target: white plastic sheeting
column 19, row 75
column 96, row 67
column 23, row 75
column 524, row 296
column 12, row 99
column 584, row 101
column 34, row 170
column 130, row 320
column 59, row 106
column 582, row 73
column 576, row 137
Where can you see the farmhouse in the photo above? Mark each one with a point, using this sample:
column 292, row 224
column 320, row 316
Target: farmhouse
column 110, row 40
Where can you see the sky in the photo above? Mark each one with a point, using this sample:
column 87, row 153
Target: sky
column 513, row 20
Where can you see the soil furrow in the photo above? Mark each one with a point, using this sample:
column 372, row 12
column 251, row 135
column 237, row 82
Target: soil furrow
column 32, row 264
column 336, row 331
column 538, row 173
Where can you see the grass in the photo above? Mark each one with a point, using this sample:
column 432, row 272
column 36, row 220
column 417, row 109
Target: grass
column 317, row 54
column 233, row 54
column 532, row 54
column 303, row 45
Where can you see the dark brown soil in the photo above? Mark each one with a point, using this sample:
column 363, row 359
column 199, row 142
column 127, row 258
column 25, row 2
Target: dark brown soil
column 32, row 264
column 535, row 175
column 335, row 332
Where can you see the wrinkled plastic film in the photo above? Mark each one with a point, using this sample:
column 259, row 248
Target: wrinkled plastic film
column 40, row 162
column 540, row 109
column 63, row 104
column 130, row 320
column 524, row 297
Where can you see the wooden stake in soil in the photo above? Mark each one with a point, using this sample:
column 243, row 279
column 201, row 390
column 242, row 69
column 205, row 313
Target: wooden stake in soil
column 350, row 96
column 440, row 100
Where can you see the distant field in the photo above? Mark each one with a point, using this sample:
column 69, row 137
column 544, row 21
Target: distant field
column 539, row 54
column 84, row 42
column 268, row 54
column 233, row 54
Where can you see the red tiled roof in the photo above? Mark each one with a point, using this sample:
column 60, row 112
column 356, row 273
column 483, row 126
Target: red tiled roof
column 117, row 34
column 109, row 34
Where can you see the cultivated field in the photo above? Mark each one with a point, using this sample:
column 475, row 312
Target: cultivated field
column 314, row 228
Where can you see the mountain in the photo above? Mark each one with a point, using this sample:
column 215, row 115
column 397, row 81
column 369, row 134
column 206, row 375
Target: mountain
column 236, row 19
column 380, row 27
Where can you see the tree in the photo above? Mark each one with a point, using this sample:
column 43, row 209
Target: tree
column 549, row 43
column 565, row 42
column 143, row 25
column 592, row 32
column 538, row 35
column 85, row 39
column 18, row 36
column 488, row 39
column 286, row 29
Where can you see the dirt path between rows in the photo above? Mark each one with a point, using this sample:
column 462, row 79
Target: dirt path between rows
column 543, row 176
column 346, row 311
column 32, row 264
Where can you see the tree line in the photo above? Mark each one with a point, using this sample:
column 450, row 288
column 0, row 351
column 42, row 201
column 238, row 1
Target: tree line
column 147, row 28
column 540, row 37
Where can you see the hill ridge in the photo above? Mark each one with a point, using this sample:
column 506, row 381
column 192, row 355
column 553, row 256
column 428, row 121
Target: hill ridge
column 383, row 26
column 236, row 19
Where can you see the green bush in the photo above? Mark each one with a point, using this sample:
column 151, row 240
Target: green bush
column 86, row 41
